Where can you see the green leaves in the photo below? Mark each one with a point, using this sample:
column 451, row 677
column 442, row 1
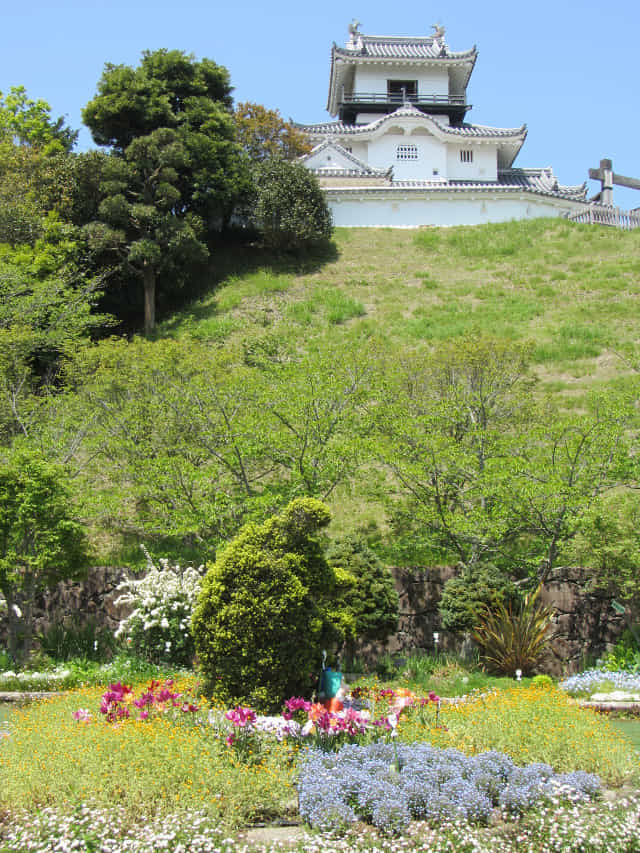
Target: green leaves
column 489, row 474
column 40, row 542
column 290, row 209
column 514, row 637
column 263, row 616
column 29, row 122
column 175, row 164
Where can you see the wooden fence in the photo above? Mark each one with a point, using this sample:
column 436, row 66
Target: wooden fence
column 601, row 215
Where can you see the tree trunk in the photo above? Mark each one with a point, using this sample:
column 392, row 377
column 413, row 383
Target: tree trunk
column 149, row 282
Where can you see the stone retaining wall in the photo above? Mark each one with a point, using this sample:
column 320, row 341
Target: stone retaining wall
column 585, row 626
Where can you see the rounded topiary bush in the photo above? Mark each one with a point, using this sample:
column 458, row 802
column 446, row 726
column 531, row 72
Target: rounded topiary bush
column 263, row 616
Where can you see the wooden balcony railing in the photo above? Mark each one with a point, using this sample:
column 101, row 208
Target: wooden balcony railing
column 401, row 98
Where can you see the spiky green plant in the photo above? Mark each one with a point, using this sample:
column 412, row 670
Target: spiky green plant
column 514, row 637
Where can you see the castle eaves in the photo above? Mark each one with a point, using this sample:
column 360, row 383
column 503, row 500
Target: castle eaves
column 340, row 128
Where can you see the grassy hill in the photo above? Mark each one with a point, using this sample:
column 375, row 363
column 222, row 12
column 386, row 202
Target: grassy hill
column 235, row 391
column 572, row 290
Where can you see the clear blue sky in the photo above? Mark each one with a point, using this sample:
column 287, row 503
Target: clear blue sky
column 569, row 69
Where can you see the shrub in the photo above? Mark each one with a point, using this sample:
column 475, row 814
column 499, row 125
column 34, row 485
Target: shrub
column 625, row 654
column 159, row 627
column 263, row 616
column 87, row 641
column 466, row 597
column 542, row 681
column 369, row 602
column 513, row 638
column 290, row 209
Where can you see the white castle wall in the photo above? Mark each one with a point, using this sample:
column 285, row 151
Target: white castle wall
column 483, row 168
column 373, row 78
column 432, row 156
column 424, row 209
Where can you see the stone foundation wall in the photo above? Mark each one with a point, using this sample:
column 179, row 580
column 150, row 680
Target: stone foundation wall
column 585, row 626
column 78, row 602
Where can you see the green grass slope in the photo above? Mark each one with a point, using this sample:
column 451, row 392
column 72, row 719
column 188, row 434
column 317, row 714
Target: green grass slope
column 572, row 290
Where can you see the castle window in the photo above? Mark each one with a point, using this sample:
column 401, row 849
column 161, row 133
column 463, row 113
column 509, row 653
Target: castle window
column 466, row 156
column 407, row 152
column 402, row 90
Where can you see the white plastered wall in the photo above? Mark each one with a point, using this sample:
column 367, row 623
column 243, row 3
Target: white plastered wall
column 484, row 166
column 432, row 155
column 447, row 210
column 373, row 79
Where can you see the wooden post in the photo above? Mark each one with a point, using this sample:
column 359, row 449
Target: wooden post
column 608, row 178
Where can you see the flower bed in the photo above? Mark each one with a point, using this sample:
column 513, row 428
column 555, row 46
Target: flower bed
column 595, row 680
column 156, row 752
column 558, row 828
column 390, row 785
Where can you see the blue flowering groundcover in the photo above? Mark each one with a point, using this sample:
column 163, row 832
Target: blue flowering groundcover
column 389, row 785
column 597, row 679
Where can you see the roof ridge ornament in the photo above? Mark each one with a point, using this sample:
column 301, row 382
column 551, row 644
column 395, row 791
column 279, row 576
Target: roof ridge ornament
column 438, row 37
column 355, row 36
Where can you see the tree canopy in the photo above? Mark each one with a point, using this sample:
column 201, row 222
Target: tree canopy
column 176, row 171
column 264, row 134
column 168, row 89
column 40, row 541
column 28, row 122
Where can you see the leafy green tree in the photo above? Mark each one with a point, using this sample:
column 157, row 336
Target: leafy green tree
column 490, row 476
column 467, row 596
column 45, row 310
column 168, row 89
column 40, row 541
column 29, row 122
column 177, row 171
column 202, row 441
column 290, row 209
column 264, row 612
column 263, row 134
column 177, row 425
column 314, row 418
column 606, row 545
column 568, row 462
column 369, row 598
column 33, row 183
column 34, row 165
column 449, row 427
column 141, row 198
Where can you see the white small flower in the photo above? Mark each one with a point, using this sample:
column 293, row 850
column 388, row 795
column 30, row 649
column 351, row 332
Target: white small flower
column 164, row 623
column 167, row 646
column 17, row 611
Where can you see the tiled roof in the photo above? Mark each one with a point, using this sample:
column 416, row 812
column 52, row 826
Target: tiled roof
column 358, row 166
column 399, row 47
column 543, row 181
column 339, row 128
column 538, row 181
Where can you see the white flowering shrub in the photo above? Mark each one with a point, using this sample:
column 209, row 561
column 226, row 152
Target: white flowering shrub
column 159, row 626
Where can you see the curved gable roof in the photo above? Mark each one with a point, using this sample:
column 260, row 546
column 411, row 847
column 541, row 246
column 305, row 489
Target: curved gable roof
column 408, row 111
